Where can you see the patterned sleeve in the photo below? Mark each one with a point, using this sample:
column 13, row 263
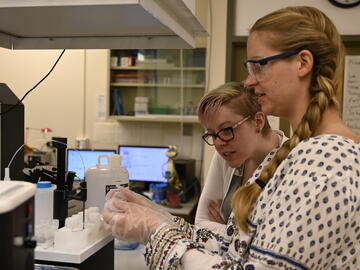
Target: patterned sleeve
column 184, row 246
column 170, row 247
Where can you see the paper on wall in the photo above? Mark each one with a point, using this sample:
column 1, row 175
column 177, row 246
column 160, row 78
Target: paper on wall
column 351, row 99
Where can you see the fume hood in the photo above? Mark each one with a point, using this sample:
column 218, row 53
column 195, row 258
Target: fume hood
column 101, row 24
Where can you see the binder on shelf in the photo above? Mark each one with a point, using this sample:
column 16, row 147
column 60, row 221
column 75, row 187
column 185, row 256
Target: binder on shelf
column 118, row 106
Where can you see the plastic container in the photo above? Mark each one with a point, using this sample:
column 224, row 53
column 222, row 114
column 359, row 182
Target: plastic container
column 44, row 201
column 45, row 231
column 104, row 177
column 160, row 110
column 158, row 192
column 100, row 180
column 125, row 245
column 141, row 105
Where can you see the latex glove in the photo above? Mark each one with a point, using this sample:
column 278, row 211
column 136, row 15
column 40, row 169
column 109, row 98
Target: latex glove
column 131, row 222
column 133, row 197
column 214, row 212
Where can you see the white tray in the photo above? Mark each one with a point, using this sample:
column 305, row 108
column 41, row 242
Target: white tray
column 53, row 255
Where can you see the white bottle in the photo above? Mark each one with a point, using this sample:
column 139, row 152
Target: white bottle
column 44, row 223
column 102, row 178
column 44, row 200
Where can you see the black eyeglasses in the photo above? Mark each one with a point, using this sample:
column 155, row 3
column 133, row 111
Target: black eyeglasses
column 256, row 67
column 224, row 134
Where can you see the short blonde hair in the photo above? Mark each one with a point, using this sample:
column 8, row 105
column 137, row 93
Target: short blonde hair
column 234, row 95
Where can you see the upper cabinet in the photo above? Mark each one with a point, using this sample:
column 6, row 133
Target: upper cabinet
column 156, row 85
column 99, row 24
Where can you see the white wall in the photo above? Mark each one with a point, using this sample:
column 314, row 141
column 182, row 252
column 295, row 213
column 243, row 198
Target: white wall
column 58, row 102
column 96, row 83
column 216, row 59
column 248, row 11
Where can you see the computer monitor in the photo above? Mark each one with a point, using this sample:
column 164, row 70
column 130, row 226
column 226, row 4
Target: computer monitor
column 79, row 159
column 145, row 163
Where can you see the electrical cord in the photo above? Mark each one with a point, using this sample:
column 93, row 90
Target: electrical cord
column 36, row 85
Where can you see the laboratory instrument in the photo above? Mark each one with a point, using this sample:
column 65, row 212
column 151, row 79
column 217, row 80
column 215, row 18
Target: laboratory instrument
column 11, row 133
column 64, row 189
column 17, row 225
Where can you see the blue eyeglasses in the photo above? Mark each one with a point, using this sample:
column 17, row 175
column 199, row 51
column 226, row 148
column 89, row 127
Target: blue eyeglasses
column 255, row 67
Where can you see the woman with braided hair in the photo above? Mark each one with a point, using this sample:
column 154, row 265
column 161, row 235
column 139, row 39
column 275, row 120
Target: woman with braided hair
column 301, row 210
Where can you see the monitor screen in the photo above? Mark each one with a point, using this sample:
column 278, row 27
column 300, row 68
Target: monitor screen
column 76, row 158
column 145, row 163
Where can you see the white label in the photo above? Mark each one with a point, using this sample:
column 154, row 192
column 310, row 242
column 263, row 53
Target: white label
column 110, row 187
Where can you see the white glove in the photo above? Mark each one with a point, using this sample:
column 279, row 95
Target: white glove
column 133, row 197
column 132, row 222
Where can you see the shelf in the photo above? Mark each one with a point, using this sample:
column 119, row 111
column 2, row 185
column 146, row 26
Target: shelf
column 157, row 85
column 158, row 118
column 160, row 68
column 171, row 79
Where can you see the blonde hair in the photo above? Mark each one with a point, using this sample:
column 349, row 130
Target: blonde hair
column 234, row 95
column 298, row 28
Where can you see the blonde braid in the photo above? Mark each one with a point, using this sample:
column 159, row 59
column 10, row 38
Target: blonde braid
column 323, row 89
column 245, row 197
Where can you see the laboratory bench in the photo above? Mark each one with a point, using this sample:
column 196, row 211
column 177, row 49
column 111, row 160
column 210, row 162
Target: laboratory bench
column 130, row 259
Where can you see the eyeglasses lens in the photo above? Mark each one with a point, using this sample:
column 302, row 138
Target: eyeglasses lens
column 225, row 135
column 254, row 69
column 208, row 139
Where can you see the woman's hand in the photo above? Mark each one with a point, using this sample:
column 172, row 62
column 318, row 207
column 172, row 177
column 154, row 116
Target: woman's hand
column 133, row 197
column 130, row 221
column 214, row 212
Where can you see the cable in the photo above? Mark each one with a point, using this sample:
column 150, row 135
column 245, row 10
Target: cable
column 36, row 85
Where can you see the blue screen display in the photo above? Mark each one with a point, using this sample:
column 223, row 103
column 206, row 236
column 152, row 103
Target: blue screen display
column 145, row 163
column 79, row 160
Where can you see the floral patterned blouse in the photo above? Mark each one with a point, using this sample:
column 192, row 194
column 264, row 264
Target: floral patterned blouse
column 307, row 217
